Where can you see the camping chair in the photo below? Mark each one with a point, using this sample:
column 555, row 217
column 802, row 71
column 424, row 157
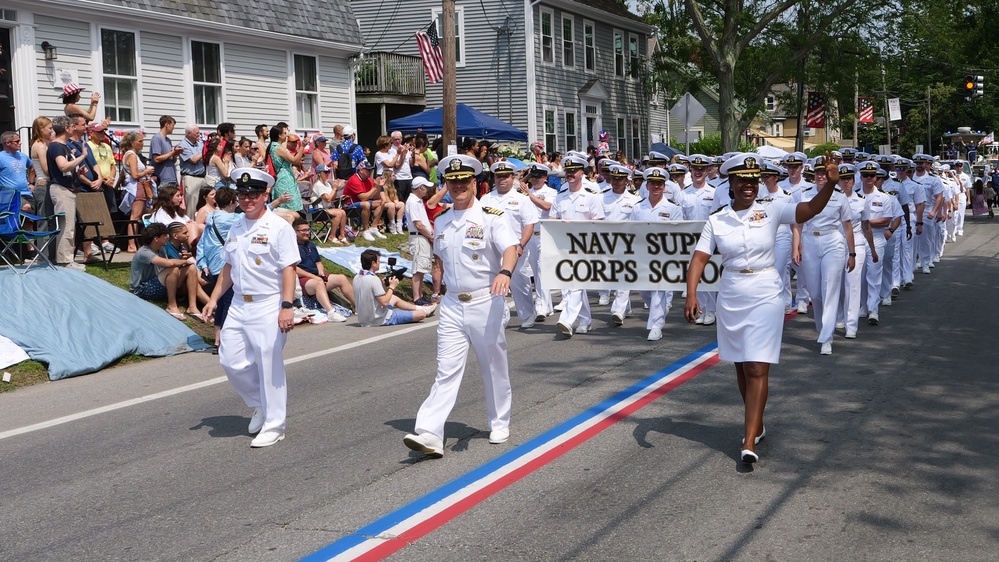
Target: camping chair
column 94, row 224
column 12, row 233
column 320, row 221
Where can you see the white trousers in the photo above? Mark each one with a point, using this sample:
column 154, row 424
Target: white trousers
column 890, row 272
column 707, row 300
column 962, row 207
column 531, row 259
column 782, row 255
column 823, row 260
column 480, row 323
column 853, row 281
column 801, row 296
column 659, row 305
column 907, row 263
column 251, row 350
column 926, row 242
column 621, row 305
column 875, row 272
column 521, row 290
column 577, row 307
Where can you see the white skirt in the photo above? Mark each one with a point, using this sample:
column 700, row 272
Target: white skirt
column 750, row 317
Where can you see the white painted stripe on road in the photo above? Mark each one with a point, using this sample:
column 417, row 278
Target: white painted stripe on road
column 187, row 388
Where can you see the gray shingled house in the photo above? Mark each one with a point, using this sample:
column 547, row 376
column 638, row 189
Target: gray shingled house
column 201, row 61
column 562, row 70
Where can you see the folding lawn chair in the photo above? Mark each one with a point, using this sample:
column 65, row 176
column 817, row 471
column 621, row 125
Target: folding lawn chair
column 94, row 224
column 13, row 234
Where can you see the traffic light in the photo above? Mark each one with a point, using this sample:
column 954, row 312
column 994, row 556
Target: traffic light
column 969, row 85
column 979, row 86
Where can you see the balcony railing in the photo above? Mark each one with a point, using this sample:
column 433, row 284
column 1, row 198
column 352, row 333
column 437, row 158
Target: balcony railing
column 390, row 74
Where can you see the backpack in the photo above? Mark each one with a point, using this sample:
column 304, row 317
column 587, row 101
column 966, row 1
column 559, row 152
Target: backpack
column 345, row 164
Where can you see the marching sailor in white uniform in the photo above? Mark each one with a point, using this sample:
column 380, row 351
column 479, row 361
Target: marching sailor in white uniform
column 618, row 205
column 542, row 196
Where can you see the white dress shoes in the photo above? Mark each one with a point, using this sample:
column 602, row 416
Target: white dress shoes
column 749, row 457
column 267, row 438
column 758, row 437
column 655, row 334
column 826, row 349
column 426, row 443
column 528, row 323
column 582, row 328
column 257, row 421
column 498, row 436
column 709, row 318
column 565, row 329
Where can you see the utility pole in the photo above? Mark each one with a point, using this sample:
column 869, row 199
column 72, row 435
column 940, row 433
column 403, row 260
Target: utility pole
column 450, row 120
column 929, row 125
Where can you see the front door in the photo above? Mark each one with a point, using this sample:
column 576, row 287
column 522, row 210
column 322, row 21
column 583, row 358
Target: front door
column 592, row 113
column 6, row 83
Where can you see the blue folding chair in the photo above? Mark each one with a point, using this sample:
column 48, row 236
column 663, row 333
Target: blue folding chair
column 12, row 232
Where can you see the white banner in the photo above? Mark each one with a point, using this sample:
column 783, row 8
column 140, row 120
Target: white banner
column 894, row 110
column 637, row 256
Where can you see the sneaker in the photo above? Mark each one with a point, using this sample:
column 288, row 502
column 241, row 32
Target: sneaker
column 391, row 228
column 908, row 285
column 886, row 301
column 826, row 349
column 709, row 318
column 872, row 319
column 528, row 322
column 559, row 306
column 582, row 328
column 334, row 316
column 256, row 422
column 788, row 310
column 863, row 313
column 895, row 292
column 426, row 443
column 851, row 335
column 378, row 234
column 840, row 325
column 108, row 247
column 603, row 300
column 565, row 329
column 75, row 266
column 319, row 318
column 267, row 438
column 617, row 319
column 960, row 233
column 655, row 334
column 430, row 309
column 540, row 317
column 368, row 236
column 802, row 308
column 699, row 319
column 498, row 436
column 435, row 298
column 926, row 269
column 422, row 301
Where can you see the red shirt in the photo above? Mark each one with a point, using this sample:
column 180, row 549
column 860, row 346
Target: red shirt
column 355, row 186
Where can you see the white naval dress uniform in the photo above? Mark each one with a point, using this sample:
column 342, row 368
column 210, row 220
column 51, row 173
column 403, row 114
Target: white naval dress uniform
column 659, row 301
column 531, row 258
column 793, row 188
column 916, row 195
column 926, row 243
column 782, row 246
column 470, row 244
column 618, row 207
column 251, row 344
column 750, row 310
column 853, row 281
column 962, row 202
column 576, row 205
column 893, row 267
column 518, row 208
column 823, row 257
column 697, row 204
column 879, row 205
column 950, row 225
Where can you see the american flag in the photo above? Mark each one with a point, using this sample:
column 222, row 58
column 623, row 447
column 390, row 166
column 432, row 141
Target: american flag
column 429, row 43
column 989, row 138
column 866, row 110
column 816, row 116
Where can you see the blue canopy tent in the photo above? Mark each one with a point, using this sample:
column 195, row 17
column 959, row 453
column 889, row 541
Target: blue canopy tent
column 471, row 123
column 666, row 149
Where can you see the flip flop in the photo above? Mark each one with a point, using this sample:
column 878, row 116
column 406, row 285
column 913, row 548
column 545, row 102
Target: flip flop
column 177, row 315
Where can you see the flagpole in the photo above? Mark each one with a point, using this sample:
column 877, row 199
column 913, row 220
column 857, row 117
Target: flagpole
column 450, row 131
column 856, row 105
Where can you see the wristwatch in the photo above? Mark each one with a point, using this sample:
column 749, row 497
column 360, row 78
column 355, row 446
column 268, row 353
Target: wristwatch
column 287, row 304
column 506, row 272
column 853, row 255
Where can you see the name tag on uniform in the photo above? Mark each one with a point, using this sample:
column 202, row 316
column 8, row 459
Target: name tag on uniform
column 877, row 204
column 664, row 214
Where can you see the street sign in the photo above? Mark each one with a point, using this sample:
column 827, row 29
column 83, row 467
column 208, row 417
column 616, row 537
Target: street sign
column 687, row 111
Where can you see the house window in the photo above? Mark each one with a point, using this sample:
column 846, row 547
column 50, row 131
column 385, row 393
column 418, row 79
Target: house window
column 570, row 131
column 206, row 70
column 622, row 135
column 618, row 54
column 589, row 46
column 771, row 103
column 776, row 129
column 568, row 47
column 550, row 137
column 120, row 76
column 459, row 33
column 636, row 137
column 633, row 56
column 306, row 92
column 547, row 37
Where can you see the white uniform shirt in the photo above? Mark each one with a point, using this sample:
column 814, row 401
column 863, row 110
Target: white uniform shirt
column 471, row 245
column 619, row 207
column 916, row 194
column 745, row 239
column 721, row 195
column 858, row 213
column 880, row 205
column 779, row 197
column 258, row 252
column 932, row 186
column 577, row 206
column 793, row 188
column 832, row 216
column 662, row 212
column 697, row 203
column 897, row 190
column 416, row 211
column 546, row 194
column 672, row 192
column 516, row 206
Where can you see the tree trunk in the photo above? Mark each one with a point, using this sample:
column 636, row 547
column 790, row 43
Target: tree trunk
column 728, row 118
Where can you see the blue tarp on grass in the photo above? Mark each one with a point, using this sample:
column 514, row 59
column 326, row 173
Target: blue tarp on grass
column 78, row 323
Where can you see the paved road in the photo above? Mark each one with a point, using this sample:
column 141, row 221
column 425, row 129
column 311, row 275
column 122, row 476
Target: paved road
column 885, row 450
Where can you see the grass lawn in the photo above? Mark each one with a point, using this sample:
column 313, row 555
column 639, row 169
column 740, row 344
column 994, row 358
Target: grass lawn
column 29, row 373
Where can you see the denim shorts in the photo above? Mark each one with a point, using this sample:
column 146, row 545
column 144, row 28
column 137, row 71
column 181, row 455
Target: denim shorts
column 399, row 317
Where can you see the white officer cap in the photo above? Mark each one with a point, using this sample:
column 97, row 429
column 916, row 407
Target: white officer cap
column 718, row 160
column 681, row 158
column 420, row 181
column 699, row 161
column 848, row 152
column 862, row 156
column 884, row 159
column 882, row 173
column 744, row 165
column 902, row 163
column 607, row 162
column 459, row 167
column 847, row 171
column 618, row 171
column 658, row 158
column 924, row 158
column 794, row 159
column 502, row 168
column 770, row 169
column 582, row 155
column 868, row 167
column 251, row 180
column 574, row 162
column 656, row 174
column 677, row 170
column 539, row 170
column 728, row 155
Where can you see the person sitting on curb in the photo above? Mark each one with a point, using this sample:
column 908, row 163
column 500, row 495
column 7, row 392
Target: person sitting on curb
column 373, row 303
column 156, row 277
column 312, row 275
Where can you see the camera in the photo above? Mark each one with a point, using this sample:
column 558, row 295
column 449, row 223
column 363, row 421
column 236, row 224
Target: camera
column 393, row 271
